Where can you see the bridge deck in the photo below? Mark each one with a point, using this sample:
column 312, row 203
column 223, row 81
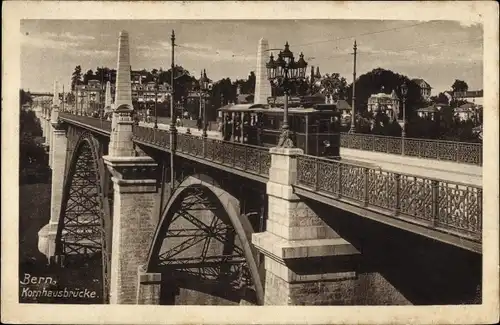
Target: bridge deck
column 409, row 198
column 445, row 170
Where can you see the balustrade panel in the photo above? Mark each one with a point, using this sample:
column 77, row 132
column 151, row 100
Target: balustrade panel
column 352, row 182
column 461, row 152
column 460, row 208
column 416, row 197
column 381, row 189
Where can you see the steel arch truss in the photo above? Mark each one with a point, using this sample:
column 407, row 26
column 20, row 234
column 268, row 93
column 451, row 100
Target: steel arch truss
column 178, row 259
column 84, row 228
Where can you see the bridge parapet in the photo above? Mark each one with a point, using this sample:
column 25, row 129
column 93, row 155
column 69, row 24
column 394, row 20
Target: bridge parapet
column 449, row 207
column 460, row 152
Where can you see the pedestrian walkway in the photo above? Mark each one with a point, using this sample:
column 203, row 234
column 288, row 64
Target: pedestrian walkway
column 183, row 129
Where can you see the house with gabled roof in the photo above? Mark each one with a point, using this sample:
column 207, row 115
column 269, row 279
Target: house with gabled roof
column 425, row 88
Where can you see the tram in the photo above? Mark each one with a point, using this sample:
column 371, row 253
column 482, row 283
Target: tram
column 314, row 125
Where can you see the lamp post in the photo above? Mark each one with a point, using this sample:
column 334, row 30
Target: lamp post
column 282, row 73
column 404, row 92
column 353, row 117
column 204, row 87
column 156, row 101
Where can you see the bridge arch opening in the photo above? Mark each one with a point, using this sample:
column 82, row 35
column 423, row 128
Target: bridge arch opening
column 84, row 229
column 202, row 247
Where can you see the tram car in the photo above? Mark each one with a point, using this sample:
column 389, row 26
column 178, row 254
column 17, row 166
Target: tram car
column 314, row 126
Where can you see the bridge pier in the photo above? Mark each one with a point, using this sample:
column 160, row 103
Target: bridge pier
column 306, row 262
column 135, row 190
column 57, row 160
column 148, row 287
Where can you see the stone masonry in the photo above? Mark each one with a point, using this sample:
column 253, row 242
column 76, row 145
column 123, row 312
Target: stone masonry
column 135, row 193
column 262, row 84
column 121, row 144
column 306, row 262
column 57, row 150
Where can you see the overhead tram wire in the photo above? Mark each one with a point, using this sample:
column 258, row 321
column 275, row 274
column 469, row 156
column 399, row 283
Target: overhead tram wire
column 346, row 55
column 356, row 36
column 339, row 38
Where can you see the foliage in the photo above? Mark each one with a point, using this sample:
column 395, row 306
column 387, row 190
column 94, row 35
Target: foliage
column 76, row 77
column 331, row 84
column 32, row 156
column 441, row 98
column 24, row 98
column 381, row 80
column 459, row 86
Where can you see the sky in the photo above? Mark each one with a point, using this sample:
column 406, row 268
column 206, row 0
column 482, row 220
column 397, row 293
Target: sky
column 436, row 51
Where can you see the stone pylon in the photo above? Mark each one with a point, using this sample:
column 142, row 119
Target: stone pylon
column 262, row 84
column 107, row 97
column 121, row 144
column 134, row 184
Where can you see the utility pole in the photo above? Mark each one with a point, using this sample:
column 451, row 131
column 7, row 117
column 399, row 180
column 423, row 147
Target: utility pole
column 173, row 130
column 62, row 108
column 353, row 127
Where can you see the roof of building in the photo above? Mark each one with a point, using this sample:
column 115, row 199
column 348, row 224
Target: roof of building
column 470, row 94
column 428, row 109
column 419, row 81
column 468, row 106
column 343, row 104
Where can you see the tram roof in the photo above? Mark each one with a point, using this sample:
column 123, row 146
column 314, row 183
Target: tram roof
column 266, row 108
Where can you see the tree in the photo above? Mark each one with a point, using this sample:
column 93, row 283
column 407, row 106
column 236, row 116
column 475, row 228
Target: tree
column 459, row 86
column 441, row 98
column 381, row 80
column 32, row 156
column 76, row 77
column 24, row 98
column 89, row 75
column 334, row 84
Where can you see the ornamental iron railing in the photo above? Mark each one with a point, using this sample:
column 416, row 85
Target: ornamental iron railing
column 251, row 159
column 446, row 206
column 96, row 123
column 460, row 152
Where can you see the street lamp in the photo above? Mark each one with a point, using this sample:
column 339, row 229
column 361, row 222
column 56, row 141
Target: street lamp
column 404, row 92
column 204, row 87
column 282, row 73
column 155, row 78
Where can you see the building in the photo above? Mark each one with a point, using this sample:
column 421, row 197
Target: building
column 90, row 98
column 473, row 96
column 345, row 109
column 425, row 88
column 468, row 111
column 144, row 93
column 430, row 112
column 384, row 103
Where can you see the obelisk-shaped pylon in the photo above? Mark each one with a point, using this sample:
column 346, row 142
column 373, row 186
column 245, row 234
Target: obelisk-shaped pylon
column 121, row 144
column 262, row 84
column 55, row 104
column 107, row 97
column 55, row 98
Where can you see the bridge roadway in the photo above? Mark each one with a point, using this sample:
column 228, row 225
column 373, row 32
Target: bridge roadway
column 444, row 210
column 444, row 170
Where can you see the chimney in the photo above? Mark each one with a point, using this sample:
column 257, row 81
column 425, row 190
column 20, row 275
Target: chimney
column 262, row 84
